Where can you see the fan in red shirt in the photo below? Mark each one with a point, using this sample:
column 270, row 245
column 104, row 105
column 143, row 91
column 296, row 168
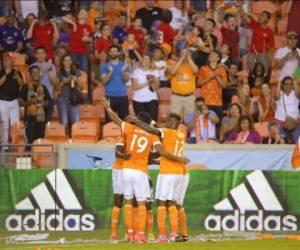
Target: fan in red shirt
column 104, row 42
column 165, row 33
column 231, row 36
column 262, row 43
column 137, row 30
column 80, row 37
column 43, row 33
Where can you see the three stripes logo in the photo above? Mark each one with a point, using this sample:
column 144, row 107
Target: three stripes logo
column 51, row 206
column 251, row 206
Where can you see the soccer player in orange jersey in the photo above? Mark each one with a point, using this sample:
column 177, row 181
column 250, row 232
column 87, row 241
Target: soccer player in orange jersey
column 172, row 180
column 135, row 170
column 121, row 155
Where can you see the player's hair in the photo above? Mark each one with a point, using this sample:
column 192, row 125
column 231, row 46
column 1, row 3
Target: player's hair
column 176, row 116
column 144, row 117
column 267, row 13
column 166, row 16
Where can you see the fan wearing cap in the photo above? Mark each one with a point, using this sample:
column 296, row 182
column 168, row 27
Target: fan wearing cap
column 288, row 58
column 10, row 82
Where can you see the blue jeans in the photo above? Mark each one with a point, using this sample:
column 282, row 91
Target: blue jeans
column 82, row 60
column 67, row 112
column 293, row 135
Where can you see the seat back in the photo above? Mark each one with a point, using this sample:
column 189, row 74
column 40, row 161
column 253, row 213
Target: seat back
column 111, row 130
column 84, row 131
column 90, row 113
column 98, row 95
column 43, row 156
column 84, row 79
column 164, row 95
column 56, row 132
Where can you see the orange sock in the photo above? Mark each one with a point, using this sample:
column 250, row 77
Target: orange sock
column 182, row 221
column 149, row 221
column 173, row 213
column 128, row 217
column 135, row 219
column 161, row 220
column 115, row 213
column 142, row 218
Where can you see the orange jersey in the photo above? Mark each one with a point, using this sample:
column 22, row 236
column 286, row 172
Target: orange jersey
column 173, row 141
column 138, row 144
column 212, row 91
column 118, row 164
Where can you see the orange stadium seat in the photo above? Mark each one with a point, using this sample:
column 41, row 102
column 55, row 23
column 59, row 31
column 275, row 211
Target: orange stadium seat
column 112, row 131
column 84, row 131
column 43, row 156
column 18, row 133
column 85, row 84
column 164, row 95
column 262, row 129
column 98, row 95
column 280, row 41
column 56, row 132
column 55, row 114
column 163, row 112
column 90, row 113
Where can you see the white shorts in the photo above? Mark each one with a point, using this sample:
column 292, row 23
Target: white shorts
column 117, row 181
column 167, row 187
column 182, row 190
column 135, row 183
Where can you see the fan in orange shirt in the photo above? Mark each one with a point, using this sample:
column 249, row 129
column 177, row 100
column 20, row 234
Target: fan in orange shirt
column 172, row 180
column 135, row 170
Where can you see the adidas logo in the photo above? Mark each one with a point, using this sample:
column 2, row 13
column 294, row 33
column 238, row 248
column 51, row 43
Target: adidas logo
column 51, row 206
column 251, row 206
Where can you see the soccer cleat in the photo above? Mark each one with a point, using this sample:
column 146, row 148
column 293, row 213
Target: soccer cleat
column 173, row 237
column 161, row 239
column 113, row 239
column 130, row 237
column 141, row 238
column 182, row 238
column 151, row 237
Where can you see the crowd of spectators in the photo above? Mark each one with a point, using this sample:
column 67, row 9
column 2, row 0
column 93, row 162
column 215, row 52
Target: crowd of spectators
column 222, row 60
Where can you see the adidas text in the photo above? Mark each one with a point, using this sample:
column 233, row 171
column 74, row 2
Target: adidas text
column 50, row 221
column 254, row 221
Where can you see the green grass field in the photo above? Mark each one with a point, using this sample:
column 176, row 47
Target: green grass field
column 98, row 241
column 275, row 244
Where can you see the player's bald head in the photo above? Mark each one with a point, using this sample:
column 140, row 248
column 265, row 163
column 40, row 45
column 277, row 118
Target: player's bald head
column 144, row 117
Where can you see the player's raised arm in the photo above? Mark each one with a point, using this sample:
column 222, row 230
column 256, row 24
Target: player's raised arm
column 182, row 159
column 112, row 115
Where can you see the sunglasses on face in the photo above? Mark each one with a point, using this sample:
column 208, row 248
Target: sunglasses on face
column 293, row 38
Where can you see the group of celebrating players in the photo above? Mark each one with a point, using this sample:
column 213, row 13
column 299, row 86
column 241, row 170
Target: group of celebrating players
column 144, row 142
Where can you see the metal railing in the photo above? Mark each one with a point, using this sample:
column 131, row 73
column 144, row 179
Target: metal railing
column 27, row 156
